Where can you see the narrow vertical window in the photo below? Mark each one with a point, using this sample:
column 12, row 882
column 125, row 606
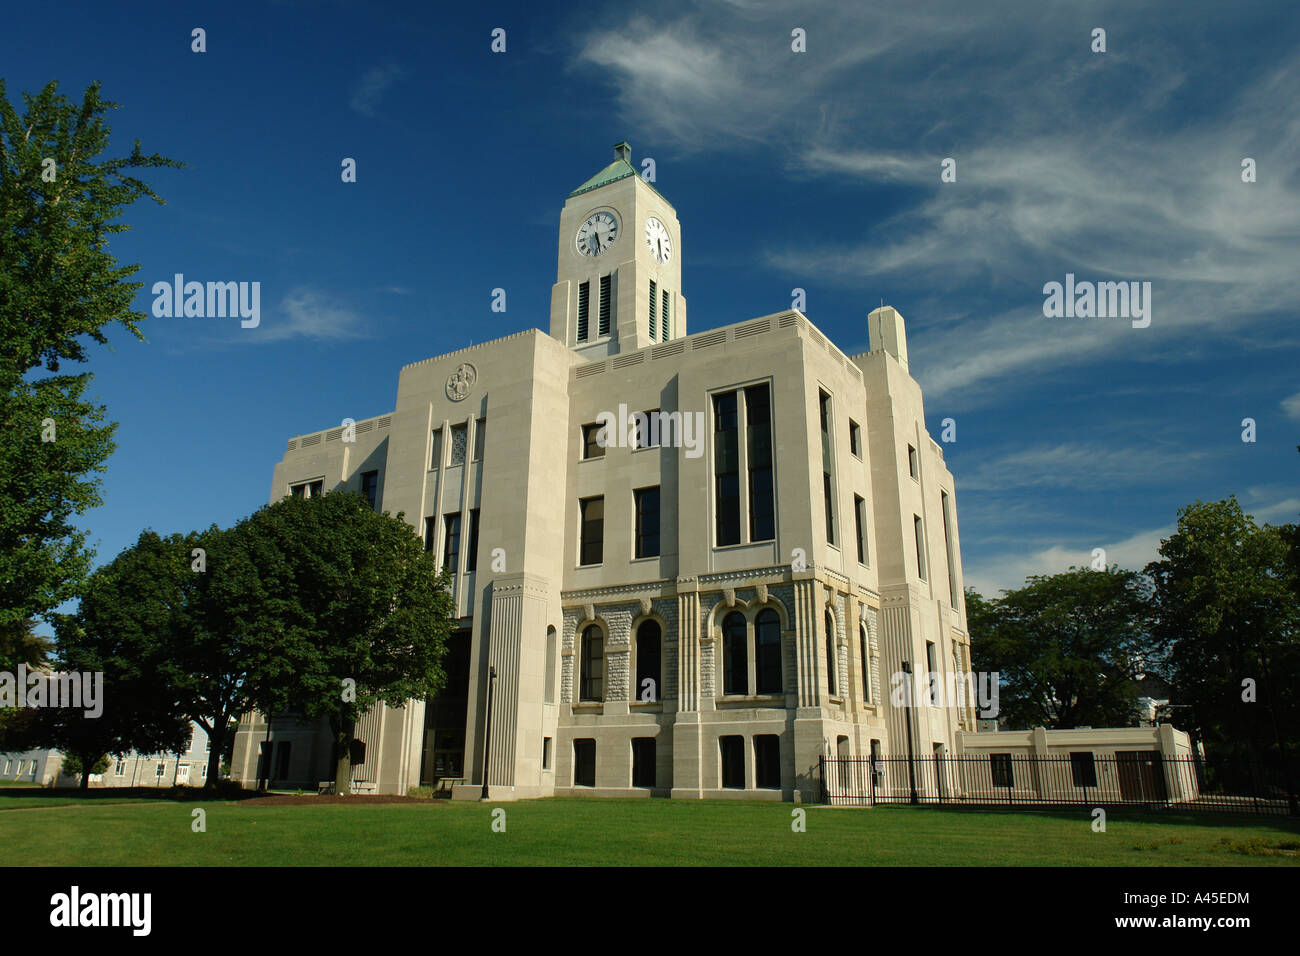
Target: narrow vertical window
column 864, row 648
column 430, row 533
column 471, row 556
column 648, row 643
column 480, row 438
column 831, row 669
column 828, row 501
column 604, row 305
column 855, row 438
column 584, row 762
column 647, row 522
column 546, row 753
column 828, row 493
column 767, row 761
column 732, row 751
column 948, row 548
column 726, row 470
column 767, row 651
column 932, row 673
column 459, row 437
column 913, row 468
column 758, row 427
column 735, row 652
column 592, row 444
column 584, row 305
column 593, row 529
column 435, row 457
column 860, row 521
column 593, row 664
column 654, row 316
column 451, row 542
column 663, row 317
column 370, row 487
column 920, row 547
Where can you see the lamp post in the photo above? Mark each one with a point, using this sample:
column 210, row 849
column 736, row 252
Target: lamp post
column 487, row 730
column 907, row 715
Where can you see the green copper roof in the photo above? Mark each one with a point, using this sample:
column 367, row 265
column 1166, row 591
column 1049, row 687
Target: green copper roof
column 618, row 169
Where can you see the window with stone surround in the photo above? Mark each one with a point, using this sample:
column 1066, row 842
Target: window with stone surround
column 649, row 641
column 643, row 761
column 735, row 652
column 767, row 761
column 831, row 668
column 459, row 437
column 584, row 762
column 591, row 681
column 732, row 752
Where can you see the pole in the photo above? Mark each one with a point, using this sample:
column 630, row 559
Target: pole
column 487, row 730
column 907, row 714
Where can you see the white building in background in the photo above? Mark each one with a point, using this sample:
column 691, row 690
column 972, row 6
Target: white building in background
column 44, row 768
column 697, row 609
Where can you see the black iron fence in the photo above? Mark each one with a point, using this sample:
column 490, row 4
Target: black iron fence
column 1125, row 778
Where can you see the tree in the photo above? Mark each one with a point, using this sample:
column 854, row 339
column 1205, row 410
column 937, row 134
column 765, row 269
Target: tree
column 73, row 765
column 20, row 644
column 1067, row 647
column 345, row 609
column 125, row 605
column 1228, row 627
column 59, row 204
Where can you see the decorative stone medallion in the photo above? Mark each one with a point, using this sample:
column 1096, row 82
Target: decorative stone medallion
column 461, row 381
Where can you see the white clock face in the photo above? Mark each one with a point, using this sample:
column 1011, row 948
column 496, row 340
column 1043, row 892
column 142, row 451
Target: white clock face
column 656, row 237
column 597, row 234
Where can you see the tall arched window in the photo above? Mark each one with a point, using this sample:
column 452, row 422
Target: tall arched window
column 593, row 664
column 735, row 654
column 648, row 641
column 866, row 663
column 830, row 655
column 767, row 651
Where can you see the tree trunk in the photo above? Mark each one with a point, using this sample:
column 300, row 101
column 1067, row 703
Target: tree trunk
column 216, row 744
column 86, row 764
column 343, row 742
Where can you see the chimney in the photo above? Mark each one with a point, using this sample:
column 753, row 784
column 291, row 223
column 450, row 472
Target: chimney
column 886, row 331
column 623, row 151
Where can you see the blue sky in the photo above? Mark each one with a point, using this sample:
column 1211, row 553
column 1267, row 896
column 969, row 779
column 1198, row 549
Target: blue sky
column 818, row 170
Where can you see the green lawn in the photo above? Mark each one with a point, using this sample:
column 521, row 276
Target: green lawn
column 632, row 832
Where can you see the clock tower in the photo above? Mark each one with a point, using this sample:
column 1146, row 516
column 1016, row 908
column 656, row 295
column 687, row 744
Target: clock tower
column 618, row 282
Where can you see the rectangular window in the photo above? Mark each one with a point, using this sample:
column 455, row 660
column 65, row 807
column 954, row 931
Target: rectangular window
column 584, row 304
column 1000, row 765
column 828, row 497
column 451, row 542
column 647, row 522
column 1083, row 768
column 471, row 557
column 593, row 529
column 647, row 434
column 160, row 769
column 430, row 533
column 920, row 547
column 911, row 462
column 947, row 545
column 604, row 305
column 767, row 761
column 592, row 685
column 726, row 470
column 459, row 435
column 932, row 672
column 307, row 489
column 480, row 438
column 855, row 438
column 435, row 459
column 370, row 486
column 663, row 318
column 654, row 311
column 591, row 442
column 733, row 762
column 546, row 753
column 758, row 428
column 584, row 762
column 860, row 521
column 643, row 761
column 119, row 770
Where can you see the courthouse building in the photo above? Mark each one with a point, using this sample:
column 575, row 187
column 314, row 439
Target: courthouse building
column 695, row 601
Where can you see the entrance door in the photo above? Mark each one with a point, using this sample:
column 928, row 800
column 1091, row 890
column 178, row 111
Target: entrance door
column 1141, row 776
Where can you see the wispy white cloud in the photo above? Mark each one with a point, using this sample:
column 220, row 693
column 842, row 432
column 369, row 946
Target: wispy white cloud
column 309, row 314
column 1079, row 465
column 372, row 86
column 1292, row 406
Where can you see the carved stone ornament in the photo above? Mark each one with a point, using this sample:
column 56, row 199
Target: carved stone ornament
column 645, row 605
column 461, row 381
column 761, row 590
column 729, row 595
column 588, row 613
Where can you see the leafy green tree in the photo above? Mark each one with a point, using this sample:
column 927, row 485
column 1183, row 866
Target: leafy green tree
column 20, row 644
column 1067, row 647
column 72, row 764
column 59, row 204
column 1228, row 627
column 345, row 609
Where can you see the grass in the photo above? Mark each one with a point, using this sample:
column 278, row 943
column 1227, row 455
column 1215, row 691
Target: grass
column 146, row 831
